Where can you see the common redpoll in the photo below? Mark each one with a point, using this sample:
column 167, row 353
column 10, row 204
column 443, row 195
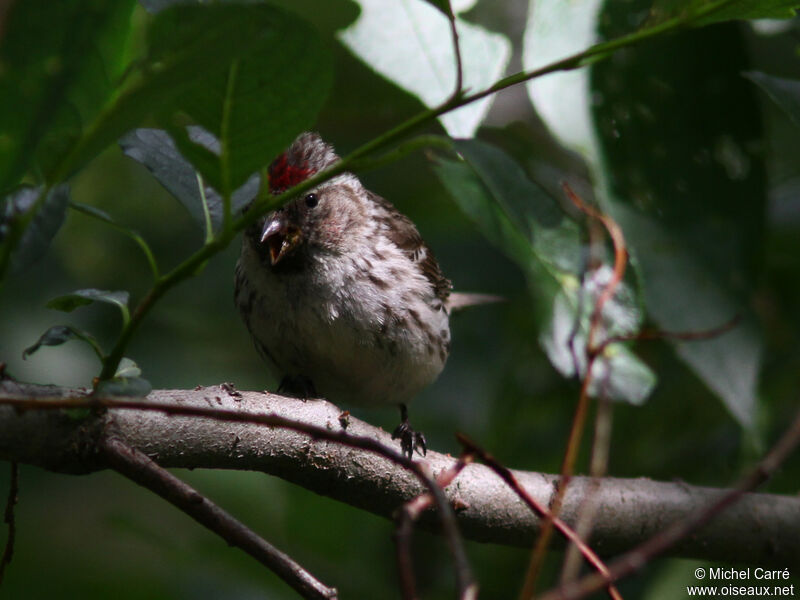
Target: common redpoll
column 340, row 293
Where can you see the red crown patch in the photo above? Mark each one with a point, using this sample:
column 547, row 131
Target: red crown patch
column 283, row 175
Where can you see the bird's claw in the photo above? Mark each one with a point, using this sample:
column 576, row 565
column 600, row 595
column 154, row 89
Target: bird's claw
column 410, row 440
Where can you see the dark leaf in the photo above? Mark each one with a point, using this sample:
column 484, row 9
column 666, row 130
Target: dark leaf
column 155, row 149
column 679, row 144
column 471, row 196
column 57, row 335
column 36, row 237
column 257, row 103
column 70, row 302
column 252, row 71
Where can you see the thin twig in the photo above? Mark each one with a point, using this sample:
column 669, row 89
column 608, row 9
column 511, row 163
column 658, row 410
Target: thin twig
column 683, row 336
column 406, row 516
column 597, row 469
column 9, row 519
column 457, row 92
column 636, row 559
column 582, row 408
column 141, row 469
column 507, row 476
column 464, row 578
column 620, row 262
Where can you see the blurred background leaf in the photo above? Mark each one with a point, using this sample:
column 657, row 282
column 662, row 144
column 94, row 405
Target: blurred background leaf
column 409, row 42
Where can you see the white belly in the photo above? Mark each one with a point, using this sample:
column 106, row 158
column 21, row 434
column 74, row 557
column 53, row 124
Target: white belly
column 358, row 343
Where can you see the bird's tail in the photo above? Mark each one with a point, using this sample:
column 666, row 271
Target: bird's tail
column 459, row 300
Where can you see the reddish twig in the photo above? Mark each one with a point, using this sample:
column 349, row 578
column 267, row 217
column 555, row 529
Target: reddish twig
column 582, row 408
column 541, row 511
column 464, row 578
column 684, row 336
column 597, row 469
column 636, row 559
column 9, row 519
column 406, row 516
column 620, row 262
column 140, row 468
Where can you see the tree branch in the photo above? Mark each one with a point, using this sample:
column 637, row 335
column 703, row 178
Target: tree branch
column 760, row 529
column 139, row 468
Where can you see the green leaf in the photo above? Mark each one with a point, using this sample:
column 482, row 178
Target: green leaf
column 519, row 217
column 58, row 334
column 473, row 199
column 784, row 92
column 232, row 68
column 257, row 103
column 70, row 302
column 61, row 62
column 679, row 146
column 409, row 42
column 44, row 217
column 155, row 149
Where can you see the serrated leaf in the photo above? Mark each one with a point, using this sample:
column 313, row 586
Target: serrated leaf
column 126, row 387
column 409, row 43
column 784, row 92
column 61, row 61
column 155, row 149
column 35, row 239
column 58, row 334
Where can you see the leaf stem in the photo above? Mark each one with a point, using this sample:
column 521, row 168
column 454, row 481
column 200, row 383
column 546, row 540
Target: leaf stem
column 201, row 188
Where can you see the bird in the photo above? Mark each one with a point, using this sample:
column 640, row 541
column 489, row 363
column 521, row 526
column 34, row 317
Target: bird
column 341, row 295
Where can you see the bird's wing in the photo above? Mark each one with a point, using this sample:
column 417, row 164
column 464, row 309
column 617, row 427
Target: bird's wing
column 402, row 232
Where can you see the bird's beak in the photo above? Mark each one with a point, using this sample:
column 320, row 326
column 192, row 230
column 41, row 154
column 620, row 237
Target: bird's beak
column 281, row 237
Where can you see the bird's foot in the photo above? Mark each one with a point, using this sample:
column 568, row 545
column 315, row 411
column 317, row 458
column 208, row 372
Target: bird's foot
column 298, row 386
column 410, row 439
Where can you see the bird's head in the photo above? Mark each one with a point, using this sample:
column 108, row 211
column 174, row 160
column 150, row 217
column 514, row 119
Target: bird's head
column 320, row 219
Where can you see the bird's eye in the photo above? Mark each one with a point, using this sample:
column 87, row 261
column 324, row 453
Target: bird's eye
column 312, row 200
